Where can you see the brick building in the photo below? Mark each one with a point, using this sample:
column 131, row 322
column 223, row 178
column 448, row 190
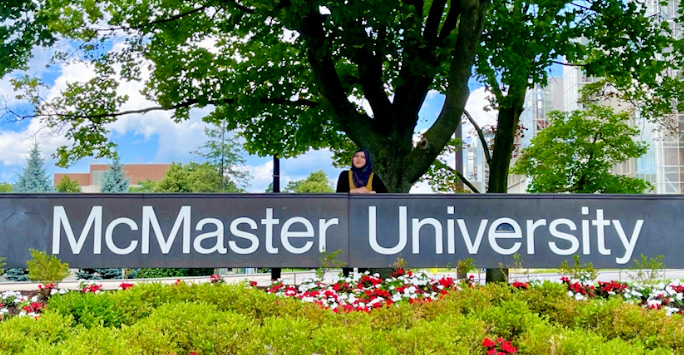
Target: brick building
column 90, row 182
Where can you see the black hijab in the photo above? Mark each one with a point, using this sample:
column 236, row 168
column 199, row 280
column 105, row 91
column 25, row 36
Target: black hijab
column 361, row 175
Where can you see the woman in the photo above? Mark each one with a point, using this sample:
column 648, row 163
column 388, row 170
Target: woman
column 359, row 179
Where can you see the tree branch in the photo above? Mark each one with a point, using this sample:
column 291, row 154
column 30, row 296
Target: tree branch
column 480, row 134
column 568, row 64
column 433, row 20
column 152, row 23
column 472, row 188
column 451, row 20
column 369, row 64
column 184, row 104
column 470, row 27
column 356, row 125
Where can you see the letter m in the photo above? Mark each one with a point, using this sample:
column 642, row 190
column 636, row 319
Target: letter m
column 150, row 220
column 94, row 221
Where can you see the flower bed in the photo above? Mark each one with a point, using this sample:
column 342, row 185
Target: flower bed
column 406, row 313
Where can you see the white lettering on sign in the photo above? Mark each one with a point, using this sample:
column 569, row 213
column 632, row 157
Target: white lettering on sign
column 560, row 235
column 243, row 237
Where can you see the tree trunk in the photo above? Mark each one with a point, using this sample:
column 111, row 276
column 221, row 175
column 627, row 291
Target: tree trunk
column 508, row 119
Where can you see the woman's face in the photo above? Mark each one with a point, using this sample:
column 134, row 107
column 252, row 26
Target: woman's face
column 359, row 160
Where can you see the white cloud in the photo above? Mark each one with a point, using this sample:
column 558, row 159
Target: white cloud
column 477, row 107
column 421, row 188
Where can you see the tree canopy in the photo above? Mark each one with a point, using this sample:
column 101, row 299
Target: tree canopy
column 578, row 150
column 295, row 75
column 317, row 181
column 290, row 75
column 67, row 185
column 193, row 177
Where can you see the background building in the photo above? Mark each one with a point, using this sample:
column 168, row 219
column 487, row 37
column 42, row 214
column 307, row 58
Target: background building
column 91, row 181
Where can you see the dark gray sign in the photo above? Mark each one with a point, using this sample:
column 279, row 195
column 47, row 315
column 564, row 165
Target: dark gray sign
column 268, row 230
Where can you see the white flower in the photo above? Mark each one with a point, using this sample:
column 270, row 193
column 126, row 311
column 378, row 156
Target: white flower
column 579, row 297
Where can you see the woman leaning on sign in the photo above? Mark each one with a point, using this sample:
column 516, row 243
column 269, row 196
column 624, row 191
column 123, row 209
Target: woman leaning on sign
column 360, row 179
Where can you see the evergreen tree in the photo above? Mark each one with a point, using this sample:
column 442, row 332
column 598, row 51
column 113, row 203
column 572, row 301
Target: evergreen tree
column 33, row 178
column 115, row 179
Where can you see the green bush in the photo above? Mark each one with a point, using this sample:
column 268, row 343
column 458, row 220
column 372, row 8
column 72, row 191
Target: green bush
column 24, row 334
column 183, row 328
column 209, row 318
column 87, row 309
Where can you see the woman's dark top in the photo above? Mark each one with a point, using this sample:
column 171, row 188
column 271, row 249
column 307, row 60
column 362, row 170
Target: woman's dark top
column 343, row 183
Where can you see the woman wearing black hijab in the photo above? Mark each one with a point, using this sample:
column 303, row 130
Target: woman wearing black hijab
column 360, row 178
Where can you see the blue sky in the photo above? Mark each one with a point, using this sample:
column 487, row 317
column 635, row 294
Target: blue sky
column 154, row 137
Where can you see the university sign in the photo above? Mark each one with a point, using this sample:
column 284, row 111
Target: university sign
column 284, row 230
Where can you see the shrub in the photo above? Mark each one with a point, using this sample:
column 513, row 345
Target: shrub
column 87, row 309
column 46, row 268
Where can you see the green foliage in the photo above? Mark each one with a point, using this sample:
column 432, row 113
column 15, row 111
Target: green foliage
column 577, row 152
column 329, row 261
column 581, row 272
column 237, row 319
column 86, row 309
column 46, row 268
column 68, row 185
column 33, row 178
column 290, row 76
column 99, row 274
column 317, row 181
column 648, row 271
column 2, row 264
column 464, row 266
column 146, row 273
column 222, row 150
column 16, row 274
column 143, row 186
column 193, row 177
column 114, row 179
column 5, row 187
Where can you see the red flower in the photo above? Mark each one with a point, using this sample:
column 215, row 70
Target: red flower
column 487, row 343
column 491, row 352
column 506, row 346
column 125, row 286
column 253, row 283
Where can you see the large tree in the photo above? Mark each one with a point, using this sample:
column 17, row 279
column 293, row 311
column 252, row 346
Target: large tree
column 291, row 75
column 578, row 150
column 617, row 42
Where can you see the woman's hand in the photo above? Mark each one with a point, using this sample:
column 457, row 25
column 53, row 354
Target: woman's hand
column 361, row 190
